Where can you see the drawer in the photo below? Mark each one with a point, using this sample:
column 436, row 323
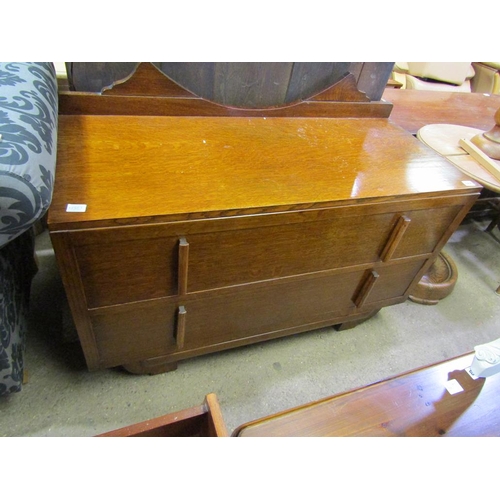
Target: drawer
column 154, row 263
column 121, row 271
column 228, row 258
column 124, row 334
column 235, row 257
column 386, row 283
column 425, row 230
column 252, row 311
column 150, row 329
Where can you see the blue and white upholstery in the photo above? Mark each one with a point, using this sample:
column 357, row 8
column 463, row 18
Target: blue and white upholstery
column 28, row 143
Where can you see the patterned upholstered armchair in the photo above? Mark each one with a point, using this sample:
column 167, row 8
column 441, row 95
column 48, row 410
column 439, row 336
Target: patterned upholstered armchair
column 28, row 137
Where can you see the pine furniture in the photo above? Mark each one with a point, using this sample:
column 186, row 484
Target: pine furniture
column 204, row 420
column 437, row 400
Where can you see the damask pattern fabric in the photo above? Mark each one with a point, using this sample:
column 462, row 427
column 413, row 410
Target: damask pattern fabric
column 28, row 129
column 17, row 269
column 28, row 141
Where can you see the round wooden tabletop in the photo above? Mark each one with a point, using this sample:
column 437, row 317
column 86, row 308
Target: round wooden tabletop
column 444, row 139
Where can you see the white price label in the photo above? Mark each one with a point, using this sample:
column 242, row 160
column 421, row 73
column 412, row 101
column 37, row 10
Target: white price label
column 74, row 207
column 452, row 386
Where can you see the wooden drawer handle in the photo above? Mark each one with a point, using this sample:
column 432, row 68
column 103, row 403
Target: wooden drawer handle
column 183, row 266
column 181, row 327
column 395, row 238
column 366, row 289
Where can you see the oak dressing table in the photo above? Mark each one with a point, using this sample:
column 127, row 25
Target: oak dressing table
column 182, row 227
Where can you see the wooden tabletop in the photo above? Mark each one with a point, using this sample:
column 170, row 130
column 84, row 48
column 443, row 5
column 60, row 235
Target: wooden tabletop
column 444, row 139
column 415, row 108
column 440, row 400
column 147, row 166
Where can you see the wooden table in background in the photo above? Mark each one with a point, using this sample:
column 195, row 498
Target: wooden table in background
column 418, row 403
column 415, row 108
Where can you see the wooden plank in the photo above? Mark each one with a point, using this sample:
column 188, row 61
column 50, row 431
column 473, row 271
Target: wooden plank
column 217, row 426
column 492, row 166
column 183, row 423
column 205, row 420
column 80, row 103
column 418, row 403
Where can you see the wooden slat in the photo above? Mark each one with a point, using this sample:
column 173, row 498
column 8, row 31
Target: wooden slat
column 492, row 166
column 217, row 426
column 80, row 103
column 416, row 403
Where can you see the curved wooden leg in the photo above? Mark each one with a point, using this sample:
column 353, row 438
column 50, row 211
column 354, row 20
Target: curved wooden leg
column 151, row 366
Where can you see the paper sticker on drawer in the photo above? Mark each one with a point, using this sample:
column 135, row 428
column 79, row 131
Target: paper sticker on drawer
column 75, row 207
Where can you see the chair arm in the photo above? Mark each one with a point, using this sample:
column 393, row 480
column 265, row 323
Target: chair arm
column 28, row 144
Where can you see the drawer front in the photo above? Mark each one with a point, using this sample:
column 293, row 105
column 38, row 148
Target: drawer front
column 425, row 230
column 117, row 272
column 149, row 329
column 125, row 334
column 386, row 283
column 236, row 257
column 154, row 263
column 253, row 311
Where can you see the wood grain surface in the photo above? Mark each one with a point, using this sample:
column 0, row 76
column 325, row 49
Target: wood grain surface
column 419, row 403
column 144, row 166
column 415, row 108
column 197, row 230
